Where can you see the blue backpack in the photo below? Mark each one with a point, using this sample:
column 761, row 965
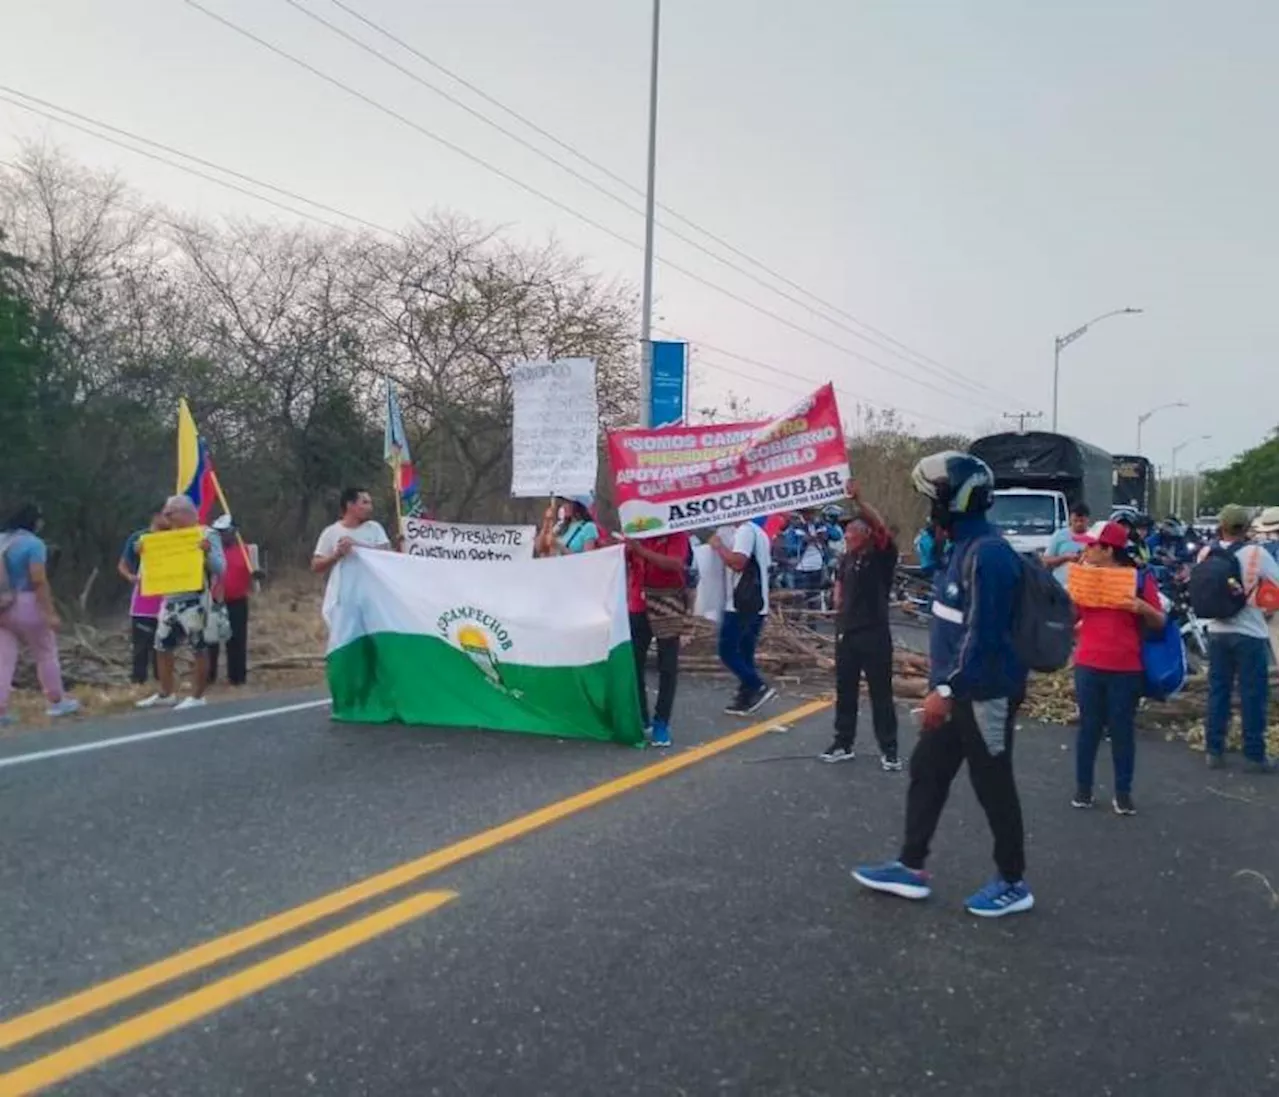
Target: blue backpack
column 1164, row 659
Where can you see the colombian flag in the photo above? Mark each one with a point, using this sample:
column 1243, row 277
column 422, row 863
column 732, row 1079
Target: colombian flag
column 771, row 524
column 196, row 479
column 395, row 451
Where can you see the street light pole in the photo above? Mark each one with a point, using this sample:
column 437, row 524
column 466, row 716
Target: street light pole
column 1195, row 487
column 1175, row 495
column 1061, row 341
column 1147, row 415
column 646, row 298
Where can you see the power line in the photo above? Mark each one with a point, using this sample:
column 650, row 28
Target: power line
column 417, row 127
column 799, row 379
column 584, row 158
column 186, row 156
column 799, row 387
column 941, row 370
column 180, row 167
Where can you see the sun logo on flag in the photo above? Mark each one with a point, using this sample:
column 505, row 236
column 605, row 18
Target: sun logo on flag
column 474, row 642
column 481, row 637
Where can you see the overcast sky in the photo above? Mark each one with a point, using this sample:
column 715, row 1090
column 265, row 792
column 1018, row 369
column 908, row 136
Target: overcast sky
column 967, row 179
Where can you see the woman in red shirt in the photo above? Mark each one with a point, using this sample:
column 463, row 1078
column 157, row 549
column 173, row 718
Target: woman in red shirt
column 658, row 606
column 1109, row 667
column 233, row 589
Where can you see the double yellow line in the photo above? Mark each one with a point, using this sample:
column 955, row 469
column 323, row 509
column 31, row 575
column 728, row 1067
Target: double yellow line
column 160, row 1020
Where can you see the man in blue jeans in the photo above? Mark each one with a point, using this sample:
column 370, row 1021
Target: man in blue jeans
column 1240, row 646
column 746, row 559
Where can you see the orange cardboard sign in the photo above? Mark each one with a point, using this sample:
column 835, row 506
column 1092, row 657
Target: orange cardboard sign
column 1101, row 588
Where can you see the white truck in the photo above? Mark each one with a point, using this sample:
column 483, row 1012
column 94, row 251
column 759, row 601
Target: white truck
column 1039, row 477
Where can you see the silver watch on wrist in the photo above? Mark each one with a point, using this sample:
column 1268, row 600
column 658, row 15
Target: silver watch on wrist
column 943, row 691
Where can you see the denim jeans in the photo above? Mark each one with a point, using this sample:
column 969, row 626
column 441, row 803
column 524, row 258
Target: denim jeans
column 738, row 635
column 1231, row 654
column 1108, row 700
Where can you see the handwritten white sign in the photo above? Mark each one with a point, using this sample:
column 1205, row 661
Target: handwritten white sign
column 459, row 541
column 554, row 428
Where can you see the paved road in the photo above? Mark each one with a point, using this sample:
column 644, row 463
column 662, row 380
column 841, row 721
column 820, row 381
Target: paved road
column 693, row 934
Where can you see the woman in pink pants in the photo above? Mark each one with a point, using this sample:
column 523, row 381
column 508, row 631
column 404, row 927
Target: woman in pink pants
column 27, row 614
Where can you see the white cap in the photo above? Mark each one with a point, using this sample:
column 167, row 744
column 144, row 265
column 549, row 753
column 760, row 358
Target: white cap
column 223, row 523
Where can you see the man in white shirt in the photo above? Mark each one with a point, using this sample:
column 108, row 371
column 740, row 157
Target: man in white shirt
column 1240, row 645
column 746, row 558
column 355, row 527
column 811, row 567
column 1066, row 544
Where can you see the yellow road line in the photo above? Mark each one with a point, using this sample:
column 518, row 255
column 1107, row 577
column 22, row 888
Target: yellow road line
column 148, row 1026
column 81, row 1004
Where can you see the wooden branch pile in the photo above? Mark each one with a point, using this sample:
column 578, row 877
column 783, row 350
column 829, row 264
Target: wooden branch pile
column 789, row 646
column 1051, row 698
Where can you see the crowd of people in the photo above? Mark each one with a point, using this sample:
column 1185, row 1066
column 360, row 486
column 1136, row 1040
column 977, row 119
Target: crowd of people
column 977, row 676
column 204, row 620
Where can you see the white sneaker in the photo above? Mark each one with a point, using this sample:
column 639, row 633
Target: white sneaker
column 157, row 700
column 190, row 702
column 66, row 707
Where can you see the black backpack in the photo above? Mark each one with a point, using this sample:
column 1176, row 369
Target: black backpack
column 748, row 592
column 1217, row 584
column 1044, row 617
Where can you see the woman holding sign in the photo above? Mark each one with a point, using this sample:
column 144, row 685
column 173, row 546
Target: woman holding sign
column 1109, row 655
column 27, row 614
column 567, row 527
column 180, row 562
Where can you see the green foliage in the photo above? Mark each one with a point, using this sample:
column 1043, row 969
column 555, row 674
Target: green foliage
column 1251, row 479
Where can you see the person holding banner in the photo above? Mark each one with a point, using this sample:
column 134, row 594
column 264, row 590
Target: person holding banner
column 864, row 645
column 27, row 613
column 746, row 559
column 658, row 607
column 567, row 527
column 355, row 527
column 187, row 616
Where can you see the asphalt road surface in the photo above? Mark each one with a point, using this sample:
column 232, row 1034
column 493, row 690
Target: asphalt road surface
column 282, row 905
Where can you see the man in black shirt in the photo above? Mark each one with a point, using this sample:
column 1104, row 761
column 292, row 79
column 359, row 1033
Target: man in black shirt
column 864, row 644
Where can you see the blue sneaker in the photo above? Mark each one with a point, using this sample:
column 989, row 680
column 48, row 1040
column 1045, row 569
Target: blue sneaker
column 895, row 879
column 1000, row 897
column 661, row 734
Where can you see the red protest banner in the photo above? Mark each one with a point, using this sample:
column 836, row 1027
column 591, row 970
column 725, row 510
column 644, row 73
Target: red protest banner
column 676, row 478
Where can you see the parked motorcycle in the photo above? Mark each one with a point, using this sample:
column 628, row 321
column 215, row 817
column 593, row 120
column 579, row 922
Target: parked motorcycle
column 1175, row 597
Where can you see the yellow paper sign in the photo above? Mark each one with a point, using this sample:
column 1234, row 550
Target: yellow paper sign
column 1101, row 588
column 172, row 561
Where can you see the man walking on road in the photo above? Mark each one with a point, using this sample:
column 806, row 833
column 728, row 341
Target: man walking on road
column 1240, row 645
column 865, row 645
column 977, row 682
column 746, row 562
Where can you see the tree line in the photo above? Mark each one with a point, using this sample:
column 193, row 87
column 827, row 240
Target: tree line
column 281, row 338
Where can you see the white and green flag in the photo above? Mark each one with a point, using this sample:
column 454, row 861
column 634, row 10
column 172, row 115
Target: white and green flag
column 539, row 646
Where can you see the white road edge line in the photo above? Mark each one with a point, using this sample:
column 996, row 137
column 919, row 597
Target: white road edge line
column 159, row 733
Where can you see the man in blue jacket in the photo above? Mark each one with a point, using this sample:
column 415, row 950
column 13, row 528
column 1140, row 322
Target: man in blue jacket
column 976, row 684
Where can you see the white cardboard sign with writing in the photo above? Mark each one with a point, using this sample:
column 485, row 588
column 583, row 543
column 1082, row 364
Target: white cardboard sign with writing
column 460, row 541
column 554, row 428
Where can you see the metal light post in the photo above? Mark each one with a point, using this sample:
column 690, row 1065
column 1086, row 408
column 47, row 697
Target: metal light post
column 1147, row 415
column 1060, row 341
column 1175, row 495
column 646, row 298
column 1195, row 487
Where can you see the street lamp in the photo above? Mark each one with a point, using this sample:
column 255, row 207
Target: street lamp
column 1147, row 415
column 1060, row 341
column 1195, row 486
column 1174, row 494
column 646, row 293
